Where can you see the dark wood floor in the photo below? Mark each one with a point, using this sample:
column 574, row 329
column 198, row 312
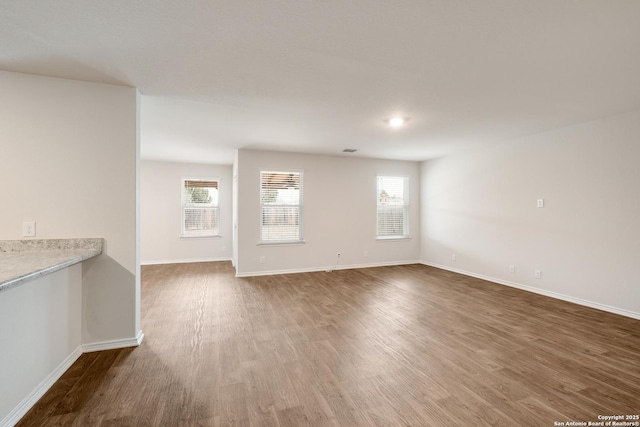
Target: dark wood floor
column 390, row 346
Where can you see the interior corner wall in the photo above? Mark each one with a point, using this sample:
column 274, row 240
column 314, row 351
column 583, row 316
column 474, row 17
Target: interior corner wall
column 161, row 213
column 585, row 241
column 234, row 213
column 339, row 214
column 69, row 159
column 138, row 273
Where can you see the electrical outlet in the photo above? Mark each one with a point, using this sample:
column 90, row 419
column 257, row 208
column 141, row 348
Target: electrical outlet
column 262, row 260
column 29, row 229
column 512, row 268
column 453, row 257
column 339, row 254
column 537, row 274
column 366, row 254
column 541, row 203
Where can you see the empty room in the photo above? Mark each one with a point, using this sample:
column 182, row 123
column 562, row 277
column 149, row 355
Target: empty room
column 322, row 213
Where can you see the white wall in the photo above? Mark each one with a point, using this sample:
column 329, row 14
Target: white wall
column 481, row 205
column 234, row 212
column 45, row 334
column 69, row 159
column 339, row 213
column 161, row 213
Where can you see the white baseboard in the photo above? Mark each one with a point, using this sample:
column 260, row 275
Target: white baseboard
column 184, row 261
column 568, row 298
column 115, row 344
column 328, row 268
column 27, row 403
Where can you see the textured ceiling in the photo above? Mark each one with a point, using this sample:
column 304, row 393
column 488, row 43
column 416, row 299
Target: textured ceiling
column 321, row 75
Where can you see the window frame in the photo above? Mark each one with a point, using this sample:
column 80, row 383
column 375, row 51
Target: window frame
column 300, row 206
column 184, row 206
column 406, row 205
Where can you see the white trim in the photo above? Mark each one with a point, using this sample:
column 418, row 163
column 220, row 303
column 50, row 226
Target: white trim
column 586, row 303
column 326, row 269
column 184, row 261
column 392, row 238
column 32, row 398
column 112, row 345
column 284, row 243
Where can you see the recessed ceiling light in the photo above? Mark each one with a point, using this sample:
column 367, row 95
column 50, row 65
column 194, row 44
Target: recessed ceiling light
column 396, row 122
column 349, row 150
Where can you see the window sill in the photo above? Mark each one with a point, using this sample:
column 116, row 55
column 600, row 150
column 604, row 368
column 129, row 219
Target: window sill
column 296, row 243
column 200, row 236
column 392, row 238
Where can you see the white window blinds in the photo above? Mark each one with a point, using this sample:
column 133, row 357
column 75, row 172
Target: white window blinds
column 200, row 209
column 281, row 207
column 393, row 207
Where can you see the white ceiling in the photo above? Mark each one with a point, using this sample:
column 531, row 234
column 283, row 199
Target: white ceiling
column 318, row 76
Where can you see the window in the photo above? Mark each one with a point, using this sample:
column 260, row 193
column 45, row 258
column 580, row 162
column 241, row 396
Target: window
column 200, row 211
column 393, row 207
column 281, row 207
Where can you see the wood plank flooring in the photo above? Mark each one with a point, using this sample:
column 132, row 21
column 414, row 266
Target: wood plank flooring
column 389, row 346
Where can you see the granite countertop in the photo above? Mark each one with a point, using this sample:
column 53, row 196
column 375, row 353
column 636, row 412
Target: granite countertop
column 24, row 260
